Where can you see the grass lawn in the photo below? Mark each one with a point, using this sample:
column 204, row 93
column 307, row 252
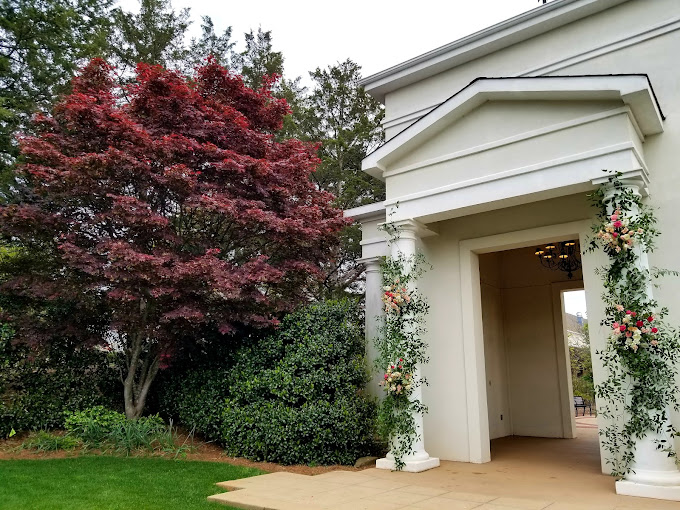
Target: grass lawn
column 99, row 482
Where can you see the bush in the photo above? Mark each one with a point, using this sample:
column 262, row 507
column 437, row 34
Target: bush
column 295, row 396
column 37, row 387
column 95, row 425
column 98, row 427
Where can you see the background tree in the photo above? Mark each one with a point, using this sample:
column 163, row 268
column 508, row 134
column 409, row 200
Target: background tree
column 42, row 43
column 220, row 47
column 582, row 366
column 347, row 122
column 258, row 59
column 154, row 35
column 174, row 213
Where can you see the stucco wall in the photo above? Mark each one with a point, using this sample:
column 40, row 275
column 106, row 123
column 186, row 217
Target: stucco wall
column 540, row 56
column 636, row 37
column 523, row 334
column 495, row 355
column 446, row 424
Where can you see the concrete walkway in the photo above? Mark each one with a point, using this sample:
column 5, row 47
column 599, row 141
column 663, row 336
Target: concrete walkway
column 524, row 474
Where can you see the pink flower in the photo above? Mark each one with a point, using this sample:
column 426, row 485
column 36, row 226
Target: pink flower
column 615, row 217
column 655, row 330
column 385, row 376
column 616, row 325
column 633, row 314
column 622, row 328
column 639, row 324
column 617, row 224
column 654, row 343
column 650, row 318
column 615, row 235
column 628, row 334
column 619, row 308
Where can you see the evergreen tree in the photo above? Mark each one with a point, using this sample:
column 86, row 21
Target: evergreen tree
column 339, row 114
column 42, row 43
column 220, row 47
column 258, row 59
column 155, row 35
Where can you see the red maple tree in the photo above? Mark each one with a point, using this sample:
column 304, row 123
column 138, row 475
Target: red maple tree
column 169, row 204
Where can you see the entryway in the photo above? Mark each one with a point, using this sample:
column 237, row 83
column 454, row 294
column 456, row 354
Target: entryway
column 527, row 332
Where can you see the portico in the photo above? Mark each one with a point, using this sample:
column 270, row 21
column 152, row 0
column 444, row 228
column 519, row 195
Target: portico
column 501, row 164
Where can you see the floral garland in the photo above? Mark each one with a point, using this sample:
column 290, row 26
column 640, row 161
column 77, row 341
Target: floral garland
column 642, row 352
column 401, row 349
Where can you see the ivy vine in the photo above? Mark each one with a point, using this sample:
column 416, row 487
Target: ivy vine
column 401, row 349
column 642, row 351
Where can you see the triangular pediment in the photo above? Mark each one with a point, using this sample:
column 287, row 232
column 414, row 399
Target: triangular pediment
column 418, row 141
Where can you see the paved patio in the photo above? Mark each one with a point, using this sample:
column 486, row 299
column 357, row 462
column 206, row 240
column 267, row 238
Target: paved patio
column 525, row 474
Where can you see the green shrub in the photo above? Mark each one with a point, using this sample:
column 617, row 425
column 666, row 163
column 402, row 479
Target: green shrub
column 48, row 441
column 37, row 387
column 94, row 425
column 98, row 427
column 295, row 396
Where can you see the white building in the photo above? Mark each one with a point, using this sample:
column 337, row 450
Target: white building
column 493, row 142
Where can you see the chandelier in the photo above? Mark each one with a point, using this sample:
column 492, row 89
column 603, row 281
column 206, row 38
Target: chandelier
column 564, row 256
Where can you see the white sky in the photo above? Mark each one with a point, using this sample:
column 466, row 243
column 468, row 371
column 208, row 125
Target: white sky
column 575, row 301
column 376, row 34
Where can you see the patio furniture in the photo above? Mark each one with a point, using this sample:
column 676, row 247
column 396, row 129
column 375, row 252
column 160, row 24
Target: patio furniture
column 580, row 402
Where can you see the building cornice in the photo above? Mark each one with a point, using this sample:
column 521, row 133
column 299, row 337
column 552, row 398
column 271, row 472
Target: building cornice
column 512, row 31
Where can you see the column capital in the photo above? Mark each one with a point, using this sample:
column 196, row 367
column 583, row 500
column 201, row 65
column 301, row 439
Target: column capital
column 635, row 180
column 410, row 229
column 372, row 264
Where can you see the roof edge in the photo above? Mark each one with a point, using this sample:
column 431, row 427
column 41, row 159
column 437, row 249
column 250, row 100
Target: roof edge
column 375, row 210
column 484, row 42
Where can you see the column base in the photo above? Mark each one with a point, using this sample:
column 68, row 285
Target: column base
column 643, row 490
column 410, row 466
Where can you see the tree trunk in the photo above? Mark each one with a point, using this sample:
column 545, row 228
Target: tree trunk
column 140, row 372
column 138, row 379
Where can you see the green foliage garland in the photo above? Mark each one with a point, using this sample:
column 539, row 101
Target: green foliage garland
column 401, row 347
column 642, row 352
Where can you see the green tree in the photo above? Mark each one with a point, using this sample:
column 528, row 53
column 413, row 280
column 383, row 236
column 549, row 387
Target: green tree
column 42, row 43
column 258, row 59
column 347, row 122
column 582, row 367
column 155, row 35
column 210, row 43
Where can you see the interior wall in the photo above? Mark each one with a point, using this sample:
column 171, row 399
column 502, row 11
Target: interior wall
column 495, row 356
column 523, row 345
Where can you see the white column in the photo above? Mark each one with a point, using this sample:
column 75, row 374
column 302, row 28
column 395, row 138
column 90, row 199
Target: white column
column 405, row 244
column 654, row 474
column 373, row 309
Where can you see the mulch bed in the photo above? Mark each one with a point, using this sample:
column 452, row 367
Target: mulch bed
column 10, row 449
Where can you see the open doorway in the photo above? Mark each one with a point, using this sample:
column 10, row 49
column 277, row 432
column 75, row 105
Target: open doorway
column 576, row 330
column 529, row 312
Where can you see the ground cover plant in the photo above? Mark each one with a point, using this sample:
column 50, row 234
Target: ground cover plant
column 109, row 483
column 101, row 429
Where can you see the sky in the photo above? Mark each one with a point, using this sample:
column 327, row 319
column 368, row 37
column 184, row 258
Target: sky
column 575, row 301
column 376, row 34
